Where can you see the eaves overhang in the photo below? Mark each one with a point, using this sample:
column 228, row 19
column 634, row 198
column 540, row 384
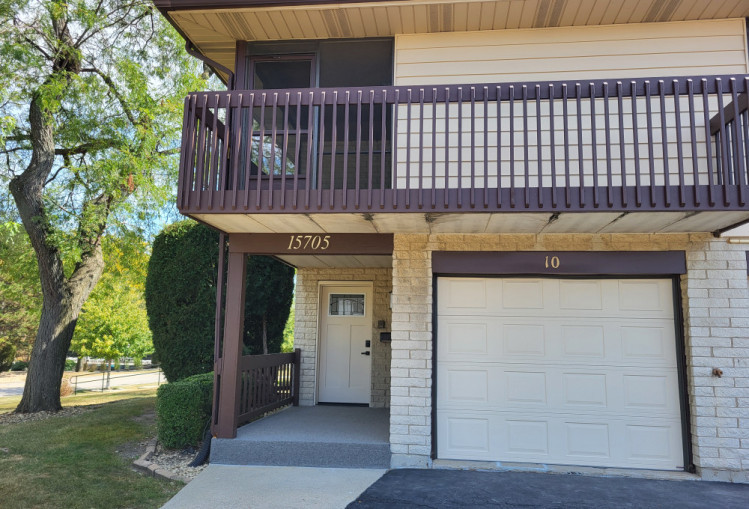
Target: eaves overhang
column 213, row 28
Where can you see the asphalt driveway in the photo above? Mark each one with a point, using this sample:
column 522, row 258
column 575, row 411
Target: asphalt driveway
column 461, row 488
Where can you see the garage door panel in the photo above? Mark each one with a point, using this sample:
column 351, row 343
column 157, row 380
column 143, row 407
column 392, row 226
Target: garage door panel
column 566, row 439
column 610, row 390
column 650, row 298
column 600, row 341
column 579, row 372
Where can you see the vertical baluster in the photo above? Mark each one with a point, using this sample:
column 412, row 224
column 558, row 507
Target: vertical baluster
column 738, row 143
column 499, row 146
column 191, row 159
column 346, row 110
column 622, row 155
column 320, row 151
column 486, row 147
column 693, row 141
column 636, row 142
column 184, row 154
column 723, row 138
column 310, row 143
column 651, row 158
column 357, row 180
column 447, row 144
column 512, row 145
column 552, row 147
column 473, row 148
column 224, row 156
column 371, row 149
column 273, row 138
column 297, row 147
column 408, row 150
column 607, row 129
column 708, row 141
column 421, row 147
column 237, row 116
column 248, row 152
column 664, row 141
column 679, row 148
column 333, row 143
column 526, row 163
column 383, row 146
column 539, row 151
column 745, row 119
column 580, row 159
column 394, row 184
column 285, row 148
column 460, row 147
column 594, row 142
column 434, row 147
column 565, row 116
column 200, row 167
column 213, row 168
column 260, row 151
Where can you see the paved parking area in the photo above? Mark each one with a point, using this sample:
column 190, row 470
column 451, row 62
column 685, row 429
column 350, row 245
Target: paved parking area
column 460, row 488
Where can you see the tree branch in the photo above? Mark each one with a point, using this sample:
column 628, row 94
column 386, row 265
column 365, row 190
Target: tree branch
column 113, row 88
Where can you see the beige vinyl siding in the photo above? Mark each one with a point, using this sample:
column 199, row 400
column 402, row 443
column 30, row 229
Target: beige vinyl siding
column 592, row 52
column 615, row 53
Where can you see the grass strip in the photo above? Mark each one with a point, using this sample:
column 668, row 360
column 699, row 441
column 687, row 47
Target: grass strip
column 72, row 461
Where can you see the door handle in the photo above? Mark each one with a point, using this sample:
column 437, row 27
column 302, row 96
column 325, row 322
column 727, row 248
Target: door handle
column 366, row 353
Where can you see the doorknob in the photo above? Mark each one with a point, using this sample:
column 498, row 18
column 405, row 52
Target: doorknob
column 366, row 353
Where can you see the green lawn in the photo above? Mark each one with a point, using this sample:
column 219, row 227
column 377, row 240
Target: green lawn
column 72, row 462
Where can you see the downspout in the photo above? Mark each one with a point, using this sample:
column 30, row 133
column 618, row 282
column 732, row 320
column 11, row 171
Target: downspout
column 212, row 64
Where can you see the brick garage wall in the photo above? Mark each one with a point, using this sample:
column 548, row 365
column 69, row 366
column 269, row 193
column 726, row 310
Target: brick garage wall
column 716, row 326
column 305, row 327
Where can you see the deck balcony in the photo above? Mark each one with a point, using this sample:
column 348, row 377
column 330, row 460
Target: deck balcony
column 677, row 145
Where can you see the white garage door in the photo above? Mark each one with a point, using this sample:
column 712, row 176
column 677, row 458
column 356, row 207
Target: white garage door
column 558, row 371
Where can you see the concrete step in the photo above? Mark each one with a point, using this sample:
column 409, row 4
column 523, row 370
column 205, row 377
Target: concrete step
column 300, row 454
column 319, row 436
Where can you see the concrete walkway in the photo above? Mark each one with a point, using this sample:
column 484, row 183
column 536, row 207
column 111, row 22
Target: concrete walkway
column 244, row 487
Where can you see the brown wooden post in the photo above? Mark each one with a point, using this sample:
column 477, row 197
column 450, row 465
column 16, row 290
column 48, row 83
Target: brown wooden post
column 297, row 373
column 228, row 403
column 218, row 330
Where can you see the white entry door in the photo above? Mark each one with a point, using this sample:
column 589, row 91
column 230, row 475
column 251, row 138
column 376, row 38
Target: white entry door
column 345, row 343
column 565, row 371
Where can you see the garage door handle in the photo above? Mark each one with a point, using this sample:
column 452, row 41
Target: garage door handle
column 366, row 353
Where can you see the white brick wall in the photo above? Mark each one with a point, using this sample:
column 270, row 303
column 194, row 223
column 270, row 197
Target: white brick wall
column 716, row 326
column 305, row 329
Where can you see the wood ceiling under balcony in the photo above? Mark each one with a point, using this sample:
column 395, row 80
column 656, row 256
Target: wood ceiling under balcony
column 214, row 31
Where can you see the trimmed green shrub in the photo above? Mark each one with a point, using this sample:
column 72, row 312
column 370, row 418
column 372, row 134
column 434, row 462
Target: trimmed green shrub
column 183, row 408
column 70, row 365
column 19, row 366
column 181, row 298
column 7, row 354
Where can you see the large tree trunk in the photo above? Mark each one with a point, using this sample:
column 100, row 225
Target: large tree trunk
column 63, row 296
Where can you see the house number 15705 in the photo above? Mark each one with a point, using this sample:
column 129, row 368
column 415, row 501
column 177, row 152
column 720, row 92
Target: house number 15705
column 552, row 262
column 314, row 242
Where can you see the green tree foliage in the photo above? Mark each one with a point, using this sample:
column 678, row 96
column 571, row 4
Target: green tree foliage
column 270, row 288
column 181, row 299
column 20, row 293
column 91, row 96
column 113, row 322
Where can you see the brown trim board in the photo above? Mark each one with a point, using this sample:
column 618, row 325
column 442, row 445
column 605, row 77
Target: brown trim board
column 311, row 243
column 560, row 263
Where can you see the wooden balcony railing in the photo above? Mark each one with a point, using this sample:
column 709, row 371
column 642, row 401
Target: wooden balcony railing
column 267, row 382
column 654, row 144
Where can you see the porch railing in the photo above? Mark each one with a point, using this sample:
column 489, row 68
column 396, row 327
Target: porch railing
column 617, row 145
column 267, row 382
